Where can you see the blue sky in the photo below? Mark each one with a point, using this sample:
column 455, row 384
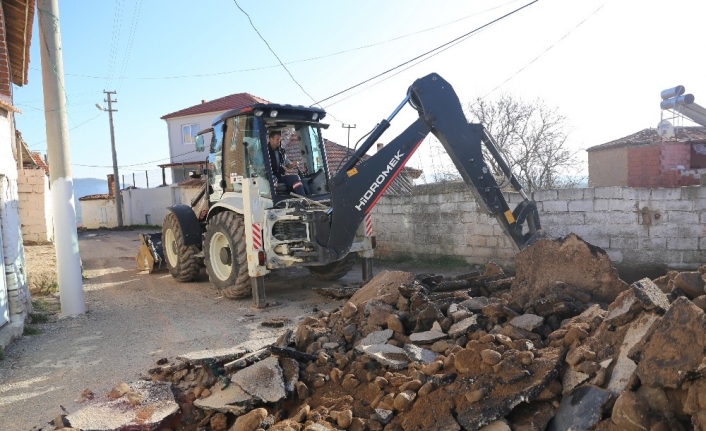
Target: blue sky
column 602, row 64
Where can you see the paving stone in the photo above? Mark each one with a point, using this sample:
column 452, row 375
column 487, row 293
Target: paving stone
column 377, row 337
column 426, row 337
column 464, row 326
column 419, row 354
column 528, row 322
column 262, row 380
column 581, row 410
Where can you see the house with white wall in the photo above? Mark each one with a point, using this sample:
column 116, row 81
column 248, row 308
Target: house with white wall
column 16, row 18
column 184, row 124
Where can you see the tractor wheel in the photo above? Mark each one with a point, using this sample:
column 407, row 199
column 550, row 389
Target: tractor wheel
column 226, row 255
column 334, row 270
column 181, row 259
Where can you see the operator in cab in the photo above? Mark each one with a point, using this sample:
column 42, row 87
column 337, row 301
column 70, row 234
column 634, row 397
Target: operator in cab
column 280, row 162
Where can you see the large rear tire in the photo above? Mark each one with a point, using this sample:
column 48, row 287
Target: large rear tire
column 334, row 270
column 226, row 255
column 181, row 259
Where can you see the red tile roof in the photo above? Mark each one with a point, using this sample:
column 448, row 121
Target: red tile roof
column 39, row 161
column 226, row 103
column 650, row 136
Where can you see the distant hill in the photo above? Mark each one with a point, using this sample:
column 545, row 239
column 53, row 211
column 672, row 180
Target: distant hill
column 87, row 186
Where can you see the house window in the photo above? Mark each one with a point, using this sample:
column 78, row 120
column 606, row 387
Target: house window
column 188, row 133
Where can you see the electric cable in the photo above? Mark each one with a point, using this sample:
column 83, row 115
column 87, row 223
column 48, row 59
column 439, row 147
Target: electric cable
column 460, row 38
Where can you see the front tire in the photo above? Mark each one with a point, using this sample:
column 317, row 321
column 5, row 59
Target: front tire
column 181, row 259
column 335, row 270
column 226, row 255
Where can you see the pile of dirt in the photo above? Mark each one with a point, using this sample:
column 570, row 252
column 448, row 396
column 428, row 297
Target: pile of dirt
column 563, row 345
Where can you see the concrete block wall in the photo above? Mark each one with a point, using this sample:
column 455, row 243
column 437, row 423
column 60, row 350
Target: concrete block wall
column 638, row 227
column 143, row 205
column 35, row 206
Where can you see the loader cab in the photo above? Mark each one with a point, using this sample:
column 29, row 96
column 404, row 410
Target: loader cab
column 238, row 148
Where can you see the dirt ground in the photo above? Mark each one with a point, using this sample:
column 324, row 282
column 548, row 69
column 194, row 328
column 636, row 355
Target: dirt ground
column 134, row 319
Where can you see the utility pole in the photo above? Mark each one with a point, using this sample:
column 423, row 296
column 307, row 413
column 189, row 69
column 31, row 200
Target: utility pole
column 68, row 260
column 349, row 127
column 118, row 195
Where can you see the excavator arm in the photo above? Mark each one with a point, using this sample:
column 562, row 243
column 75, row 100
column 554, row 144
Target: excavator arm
column 356, row 188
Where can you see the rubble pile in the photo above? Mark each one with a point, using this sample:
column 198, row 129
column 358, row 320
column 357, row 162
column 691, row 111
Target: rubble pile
column 563, row 345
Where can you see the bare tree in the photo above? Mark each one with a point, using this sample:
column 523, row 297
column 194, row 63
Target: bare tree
column 533, row 139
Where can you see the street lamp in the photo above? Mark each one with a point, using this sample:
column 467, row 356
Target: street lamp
column 116, row 179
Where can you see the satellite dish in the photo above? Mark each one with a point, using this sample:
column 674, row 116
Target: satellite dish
column 665, row 129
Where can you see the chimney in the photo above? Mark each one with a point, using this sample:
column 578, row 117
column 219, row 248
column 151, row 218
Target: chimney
column 203, row 101
column 379, row 146
column 111, row 186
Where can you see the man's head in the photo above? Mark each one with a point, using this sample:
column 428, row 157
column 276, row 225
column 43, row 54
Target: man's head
column 274, row 139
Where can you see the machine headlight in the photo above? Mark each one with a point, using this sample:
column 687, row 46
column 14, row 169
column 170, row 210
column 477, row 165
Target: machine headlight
column 273, row 113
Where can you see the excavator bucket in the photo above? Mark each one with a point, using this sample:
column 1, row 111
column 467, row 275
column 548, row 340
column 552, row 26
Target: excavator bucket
column 151, row 255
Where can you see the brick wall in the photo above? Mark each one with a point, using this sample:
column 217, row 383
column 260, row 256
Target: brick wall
column 638, row 227
column 644, row 166
column 35, row 206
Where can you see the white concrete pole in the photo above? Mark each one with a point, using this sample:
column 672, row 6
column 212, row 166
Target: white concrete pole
column 68, row 261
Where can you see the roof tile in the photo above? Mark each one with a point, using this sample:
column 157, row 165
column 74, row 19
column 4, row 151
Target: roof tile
column 226, row 103
column 650, row 136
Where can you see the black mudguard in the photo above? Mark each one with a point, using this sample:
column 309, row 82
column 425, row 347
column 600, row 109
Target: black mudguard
column 189, row 224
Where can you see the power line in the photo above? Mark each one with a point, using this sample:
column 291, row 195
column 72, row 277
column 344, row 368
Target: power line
column 543, row 52
column 134, row 164
column 272, row 51
column 75, row 127
column 254, row 69
column 130, row 40
column 460, row 38
column 115, row 40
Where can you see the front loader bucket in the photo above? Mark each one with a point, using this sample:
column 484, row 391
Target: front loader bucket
column 151, row 255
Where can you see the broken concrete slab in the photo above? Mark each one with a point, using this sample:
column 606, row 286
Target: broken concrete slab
column 581, row 410
column 262, row 380
column 146, row 405
column 388, row 355
column 232, row 399
column 290, row 373
column 385, row 282
column 419, row 354
column 624, row 309
column 528, row 322
column 691, row 283
column 623, row 373
column 214, row 355
column 475, row 304
column 570, row 260
column 650, row 295
column 377, row 337
column 572, row 379
column 674, row 352
column 426, row 337
column 464, row 326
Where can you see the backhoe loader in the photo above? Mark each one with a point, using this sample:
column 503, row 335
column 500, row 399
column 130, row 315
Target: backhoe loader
column 245, row 222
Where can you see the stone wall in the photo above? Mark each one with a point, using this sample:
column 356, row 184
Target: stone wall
column 643, row 229
column 35, row 206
